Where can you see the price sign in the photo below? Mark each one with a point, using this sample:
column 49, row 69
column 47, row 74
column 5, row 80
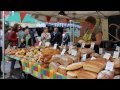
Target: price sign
column 74, row 52
column 55, row 46
column 107, row 56
column 100, row 50
column 83, row 45
column 63, row 51
column 92, row 45
column 116, row 54
column 109, row 66
column 47, row 44
column 84, row 57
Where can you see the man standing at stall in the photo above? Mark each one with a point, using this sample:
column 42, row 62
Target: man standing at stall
column 56, row 37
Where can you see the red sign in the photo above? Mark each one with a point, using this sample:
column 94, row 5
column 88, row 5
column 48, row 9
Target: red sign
column 48, row 18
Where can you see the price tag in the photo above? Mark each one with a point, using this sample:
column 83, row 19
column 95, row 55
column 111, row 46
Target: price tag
column 47, row 44
column 92, row 58
column 118, row 48
column 55, row 46
column 84, row 57
column 83, row 45
column 92, row 45
column 107, row 56
column 63, row 51
column 116, row 54
column 40, row 43
column 109, row 66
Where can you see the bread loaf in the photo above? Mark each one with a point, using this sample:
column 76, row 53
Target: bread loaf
column 72, row 74
column 117, row 77
column 117, row 71
column 62, row 70
column 96, row 55
column 116, row 63
column 83, row 74
column 74, row 66
column 105, row 74
column 94, row 65
column 54, row 66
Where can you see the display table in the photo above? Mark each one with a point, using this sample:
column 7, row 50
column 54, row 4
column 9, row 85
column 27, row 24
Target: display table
column 36, row 70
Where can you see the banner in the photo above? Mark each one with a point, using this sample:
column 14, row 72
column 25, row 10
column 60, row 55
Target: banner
column 22, row 15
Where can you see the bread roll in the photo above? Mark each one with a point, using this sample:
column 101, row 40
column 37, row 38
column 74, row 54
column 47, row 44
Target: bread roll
column 83, row 74
column 105, row 74
column 62, row 70
column 95, row 55
column 74, row 66
column 94, row 65
column 86, row 51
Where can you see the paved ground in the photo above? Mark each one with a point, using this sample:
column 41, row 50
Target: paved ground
column 7, row 68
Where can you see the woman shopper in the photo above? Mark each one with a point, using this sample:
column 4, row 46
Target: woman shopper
column 45, row 36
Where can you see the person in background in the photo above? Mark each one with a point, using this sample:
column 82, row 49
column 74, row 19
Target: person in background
column 92, row 34
column 7, row 33
column 65, row 37
column 56, row 37
column 21, row 37
column 13, row 38
column 27, row 38
column 45, row 36
column 1, row 45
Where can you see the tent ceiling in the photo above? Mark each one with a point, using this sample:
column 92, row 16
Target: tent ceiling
column 78, row 14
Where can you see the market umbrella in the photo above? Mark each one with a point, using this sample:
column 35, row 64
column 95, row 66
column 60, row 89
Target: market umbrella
column 16, row 18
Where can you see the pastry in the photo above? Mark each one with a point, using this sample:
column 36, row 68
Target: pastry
column 116, row 63
column 117, row 77
column 72, row 74
column 117, row 71
column 54, row 66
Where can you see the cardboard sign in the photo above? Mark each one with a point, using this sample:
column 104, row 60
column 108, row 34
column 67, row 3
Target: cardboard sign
column 83, row 45
column 107, row 56
column 55, row 46
column 47, row 44
column 84, row 57
column 116, row 54
column 63, row 51
column 92, row 45
column 109, row 66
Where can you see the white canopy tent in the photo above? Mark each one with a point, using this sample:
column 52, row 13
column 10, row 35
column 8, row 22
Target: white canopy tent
column 74, row 15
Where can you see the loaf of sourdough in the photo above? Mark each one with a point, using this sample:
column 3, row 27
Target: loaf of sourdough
column 74, row 66
column 94, row 65
column 83, row 74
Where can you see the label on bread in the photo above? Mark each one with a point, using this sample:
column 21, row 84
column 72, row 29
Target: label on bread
column 40, row 43
column 92, row 45
column 47, row 44
column 92, row 58
column 83, row 45
column 116, row 54
column 84, row 56
column 109, row 66
column 107, row 56
column 63, row 51
column 55, row 46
